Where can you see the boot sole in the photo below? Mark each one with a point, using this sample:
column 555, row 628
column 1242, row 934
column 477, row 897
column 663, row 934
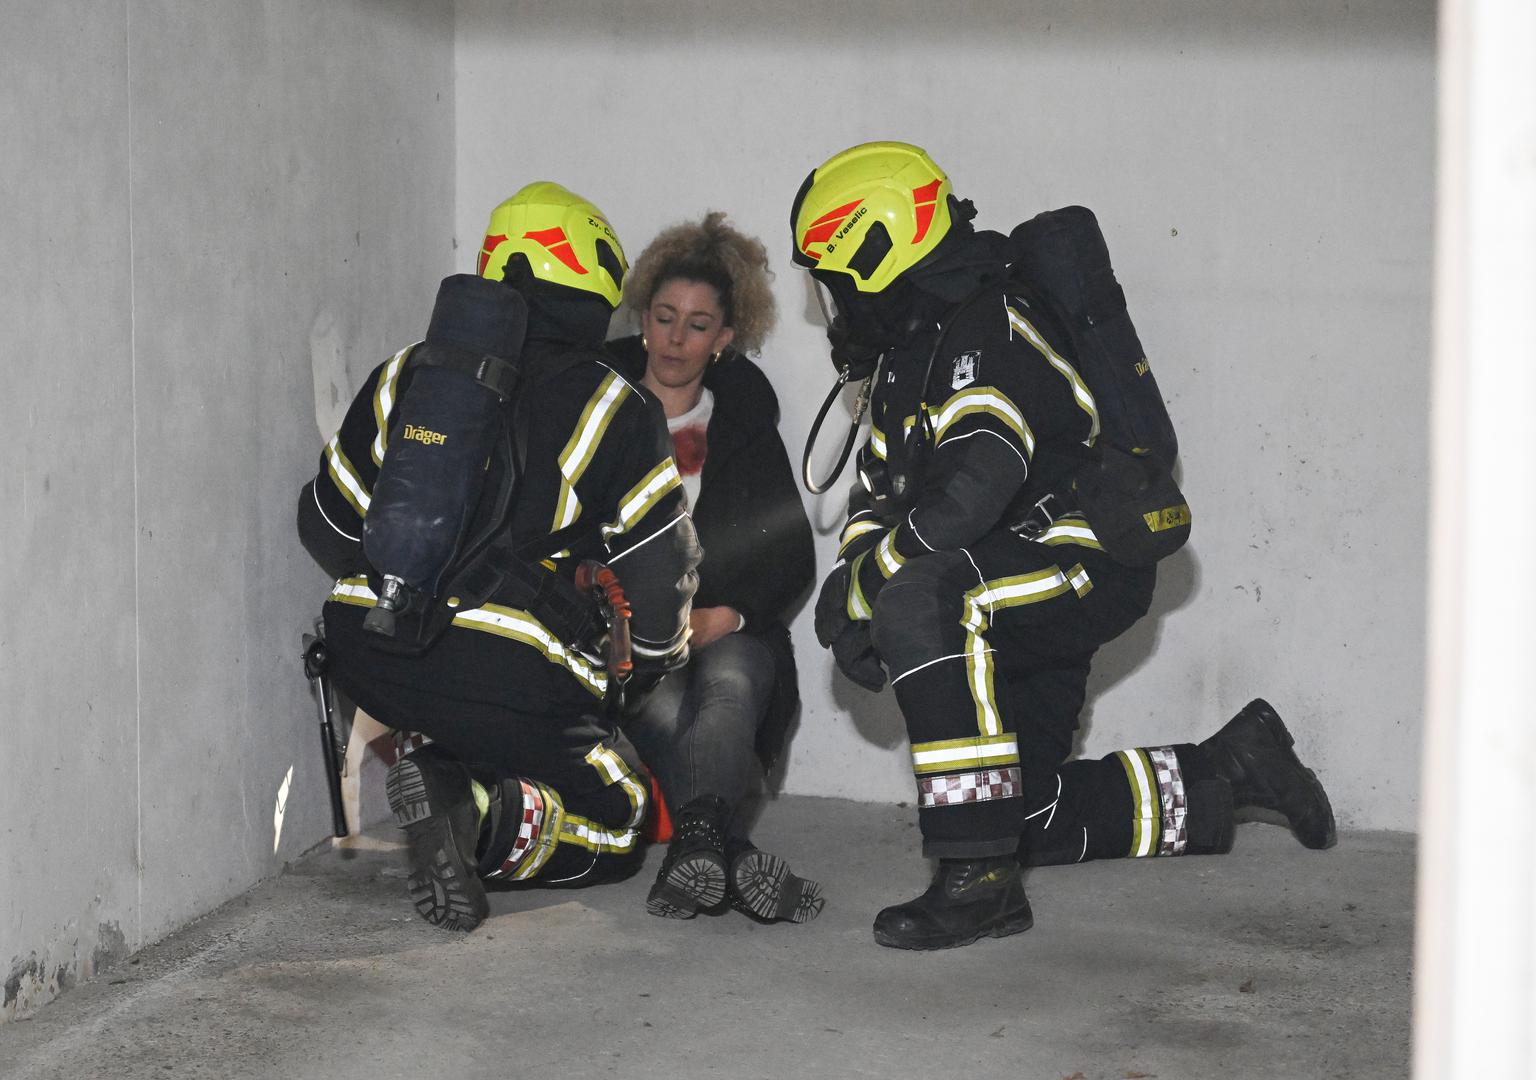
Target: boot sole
column 763, row 883
column 694, row 882
column 443, row 890
column 1007, row 926
column 1282, row 735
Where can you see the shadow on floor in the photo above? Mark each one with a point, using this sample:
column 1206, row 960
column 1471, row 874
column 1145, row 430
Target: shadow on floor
column 1272, row 961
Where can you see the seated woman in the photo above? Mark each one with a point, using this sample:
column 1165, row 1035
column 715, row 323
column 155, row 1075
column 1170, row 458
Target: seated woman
column 709, row 730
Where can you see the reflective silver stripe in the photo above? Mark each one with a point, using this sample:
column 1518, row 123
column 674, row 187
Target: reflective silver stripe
column 643, row 496
column 507, row 622
column 877, row 443
column 345, row 477
column 890, row 560
column 1080, row 391
column 858, row 607
column 608, row 762
column 951, row 754
column 583, row 443
column 987, row 401
column 384, row 401
column 1070, row 531
column 1146, row 807
column 595, row 838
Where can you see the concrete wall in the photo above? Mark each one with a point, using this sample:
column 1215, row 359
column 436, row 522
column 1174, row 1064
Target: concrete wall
column 193, row 191
column 1264, row 175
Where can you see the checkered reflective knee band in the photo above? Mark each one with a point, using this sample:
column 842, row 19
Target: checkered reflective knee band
column 537, row 834
column 982, row 785
column 1159, row 804
column 943, row 778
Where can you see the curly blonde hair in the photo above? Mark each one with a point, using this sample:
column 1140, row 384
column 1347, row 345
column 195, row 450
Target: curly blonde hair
column 712, row 252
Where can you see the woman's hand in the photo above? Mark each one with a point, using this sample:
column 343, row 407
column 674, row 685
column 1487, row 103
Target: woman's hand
column 710, row 624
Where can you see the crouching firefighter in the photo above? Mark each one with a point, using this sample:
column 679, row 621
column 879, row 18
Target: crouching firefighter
column 507, row 530
column 1015, row 494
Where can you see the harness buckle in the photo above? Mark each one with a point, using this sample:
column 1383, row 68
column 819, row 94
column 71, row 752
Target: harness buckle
column 1041, row 516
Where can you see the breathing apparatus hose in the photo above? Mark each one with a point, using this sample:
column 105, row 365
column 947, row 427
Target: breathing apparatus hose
column 860, row 404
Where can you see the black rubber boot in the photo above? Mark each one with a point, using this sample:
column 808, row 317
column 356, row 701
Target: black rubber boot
column 762, row 886
column 1253, row 752
column 969, row 898
column 692, row 876
column 430, row 794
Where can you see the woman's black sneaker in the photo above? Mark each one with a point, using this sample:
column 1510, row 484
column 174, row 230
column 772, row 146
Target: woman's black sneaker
column 692, row 876
column 763, row 887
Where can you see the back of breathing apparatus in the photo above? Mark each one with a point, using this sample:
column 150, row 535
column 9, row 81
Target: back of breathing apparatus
column 1058, row 258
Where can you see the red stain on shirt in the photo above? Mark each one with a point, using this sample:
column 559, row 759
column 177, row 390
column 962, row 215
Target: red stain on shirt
column 689, row 449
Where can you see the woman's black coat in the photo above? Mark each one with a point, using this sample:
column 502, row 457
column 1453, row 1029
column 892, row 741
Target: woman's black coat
column 759, row 557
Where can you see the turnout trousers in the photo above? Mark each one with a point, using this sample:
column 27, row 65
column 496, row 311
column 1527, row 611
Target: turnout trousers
column 574, row 785
column 988, row 650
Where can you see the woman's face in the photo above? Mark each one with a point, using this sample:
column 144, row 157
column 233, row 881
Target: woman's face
column 684, row 326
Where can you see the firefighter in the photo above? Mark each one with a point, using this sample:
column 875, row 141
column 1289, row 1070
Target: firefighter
column 518, row 771
column 968, row 579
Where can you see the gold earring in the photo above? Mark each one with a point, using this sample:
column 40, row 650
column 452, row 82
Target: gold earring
column 715, row 359
column 646, row 345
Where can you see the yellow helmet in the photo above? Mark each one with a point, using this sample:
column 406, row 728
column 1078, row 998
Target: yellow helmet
column 871, row 212
column 566, row 240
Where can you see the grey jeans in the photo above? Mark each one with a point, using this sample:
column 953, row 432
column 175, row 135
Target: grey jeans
column 698, row 728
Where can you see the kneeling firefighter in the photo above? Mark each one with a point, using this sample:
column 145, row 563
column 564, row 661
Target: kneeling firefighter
column 1015, row 493
column 483, row 483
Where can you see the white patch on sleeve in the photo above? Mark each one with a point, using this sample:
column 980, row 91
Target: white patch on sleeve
column 965, row 369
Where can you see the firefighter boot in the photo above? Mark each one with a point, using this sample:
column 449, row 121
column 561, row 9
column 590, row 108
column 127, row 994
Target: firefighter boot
column 692, row 875
column 969, row 898
column 433, row 802
column 1253, row 753
column 762, row 886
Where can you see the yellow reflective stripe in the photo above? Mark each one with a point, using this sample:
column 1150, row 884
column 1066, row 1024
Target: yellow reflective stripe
column 345, row 477
column 640, row 499
column 986, row 401
column 1146, row 805
column 354, row 590
column 517, row 625
column 979, row 603
column 582, row 445
column 384, row 401
column 949, row 755
column 979, row 677
column 606, row 761
column 1070, row 531
column 855, row 529
column 1015, row 591
column 512, row 623
column 887, row 557
column 1080, row 392
column 877, row 442
column 1078, row 578
column 598, row 839
column 858, row 607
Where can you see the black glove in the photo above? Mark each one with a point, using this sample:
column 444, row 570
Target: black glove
column 832, row 605
column 848, row 639
column 855, row 655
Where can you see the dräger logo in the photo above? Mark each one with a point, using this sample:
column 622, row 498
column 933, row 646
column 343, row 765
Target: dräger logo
column 424, row 435
column 1171, row 517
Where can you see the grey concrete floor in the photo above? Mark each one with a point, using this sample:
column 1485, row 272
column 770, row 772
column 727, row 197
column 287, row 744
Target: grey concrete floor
column 1273, row 961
